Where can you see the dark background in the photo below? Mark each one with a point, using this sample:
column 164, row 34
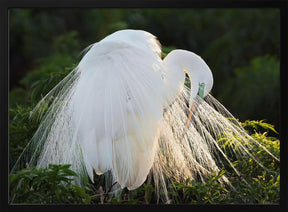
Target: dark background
column 241, row 46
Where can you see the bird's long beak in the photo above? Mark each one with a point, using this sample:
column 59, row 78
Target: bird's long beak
column 192, row 107
column 201, row 90
column 189, row 117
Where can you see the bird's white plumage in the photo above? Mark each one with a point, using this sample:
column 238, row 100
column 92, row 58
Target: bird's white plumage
column 113, row 118
column 122, row 131
column 123, row 109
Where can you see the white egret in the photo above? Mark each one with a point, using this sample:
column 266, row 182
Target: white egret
column 125, row 110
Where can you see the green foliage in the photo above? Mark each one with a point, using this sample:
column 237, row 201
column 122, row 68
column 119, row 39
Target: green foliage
column 166, row 50
column 49, row 72
column 44, row 79
column 20, row 131
column 255, row 84
column 46, row 186
column 18, row 96
column 265, row 186
column 66, row 44
column 203, row 193
column 259, row 182
column 258, row 126
column 145, row 194
column 262, row 189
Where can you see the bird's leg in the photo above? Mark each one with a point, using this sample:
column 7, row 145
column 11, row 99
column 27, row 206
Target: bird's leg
column 129, row 195
column 189, row 117
column 149, row 179
column 101, row 193
column 192, row 109
column 188, row 120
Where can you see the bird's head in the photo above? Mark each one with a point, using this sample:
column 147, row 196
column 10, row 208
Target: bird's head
column 180, row 61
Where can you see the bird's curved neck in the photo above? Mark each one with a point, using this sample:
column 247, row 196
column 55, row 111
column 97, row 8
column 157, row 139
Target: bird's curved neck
column 179, row 62
column 198, row 71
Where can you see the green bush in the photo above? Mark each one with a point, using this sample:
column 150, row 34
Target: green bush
column 21, row 130
column 52, row 185
column 203, row 193
column 258, row 182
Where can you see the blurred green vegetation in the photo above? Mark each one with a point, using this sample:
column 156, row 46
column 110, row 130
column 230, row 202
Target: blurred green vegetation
column 229, row 40
column 241, row 46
